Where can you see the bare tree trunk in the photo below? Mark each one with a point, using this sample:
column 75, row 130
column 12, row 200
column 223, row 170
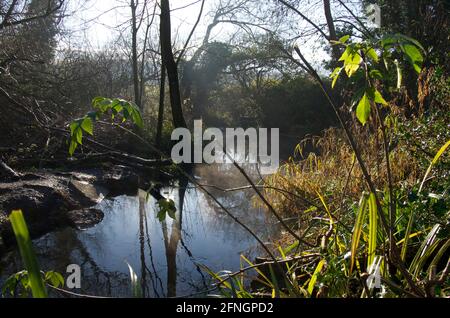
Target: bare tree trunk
column 142, row 71
column 134, row 31
column 331, row 28
column 171, row 65
column 162, row 91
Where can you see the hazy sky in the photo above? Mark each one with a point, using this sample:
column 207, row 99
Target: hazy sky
column 96, row 22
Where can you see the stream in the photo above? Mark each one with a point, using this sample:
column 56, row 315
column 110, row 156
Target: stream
column 168, row 257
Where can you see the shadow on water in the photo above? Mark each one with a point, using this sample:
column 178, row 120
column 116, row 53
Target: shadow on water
column 168, row 255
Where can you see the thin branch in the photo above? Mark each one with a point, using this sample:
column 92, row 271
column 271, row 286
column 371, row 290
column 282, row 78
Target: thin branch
column 180, row 56
column 48, row 12
column 243, row 270
column 367, row 31
column 305, row 18
column 69, row 293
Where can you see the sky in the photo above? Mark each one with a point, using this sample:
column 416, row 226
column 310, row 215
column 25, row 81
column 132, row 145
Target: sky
column 96, row 22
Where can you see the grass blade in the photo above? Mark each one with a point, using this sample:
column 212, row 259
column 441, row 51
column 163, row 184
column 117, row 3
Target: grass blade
column 20, row 229
column 373, row 227
column 266, row 281
column 435, row 160
column 276, row 289
column 427, row 244
column 357, row 229
column 441, row 253
column 407, row 235
column 221, row 281
column 135, row 286
column 312, row 282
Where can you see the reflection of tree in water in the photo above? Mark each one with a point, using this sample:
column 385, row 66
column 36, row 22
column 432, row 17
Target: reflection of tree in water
column 240, row 203
column 171, row 243
column 156, row 281
column 172, row 238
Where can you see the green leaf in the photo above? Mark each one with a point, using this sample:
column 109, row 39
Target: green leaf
column 117, row 108
column 77, row 132
column 11, row 283
column 55, row 279
column 356, row 98
column 25, row 281
column 413, row 56
column 26, row 251
column 344, row 39
column 372, row 54
column 128, row 110
column 73, row 147
column 352, row 62
column 223, row 282
column 73, row 126
column 265, row 280
column 88, row 125
column 378, row 98
column 101, row 103
column 440, row 254
column 363, row 110
column 376, row 74
column 137, row 119
column 406, row 38
column 97, row 100
column 345, row 54
column 166, row 207
column 161, row 215
column 335, row 75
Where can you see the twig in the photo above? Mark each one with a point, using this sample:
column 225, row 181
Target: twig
column 76, row 294
column 245, row 269
column 180, row 56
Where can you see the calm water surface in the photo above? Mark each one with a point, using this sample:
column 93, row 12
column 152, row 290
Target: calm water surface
column 167, row 256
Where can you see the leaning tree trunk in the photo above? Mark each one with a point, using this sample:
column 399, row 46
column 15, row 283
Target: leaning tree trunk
column 171, row 65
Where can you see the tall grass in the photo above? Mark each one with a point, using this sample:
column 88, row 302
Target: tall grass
column 352, row 256
column 26, row 251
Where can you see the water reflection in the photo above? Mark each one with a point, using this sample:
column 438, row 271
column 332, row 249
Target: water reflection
column 165, row 255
